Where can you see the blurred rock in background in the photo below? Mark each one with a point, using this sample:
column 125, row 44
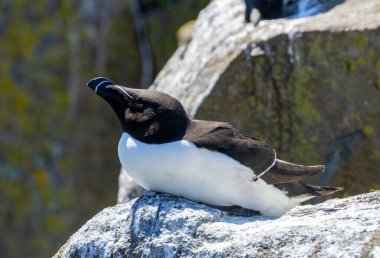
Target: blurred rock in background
column 128, row 188
column 309, row 86
column 58, row 142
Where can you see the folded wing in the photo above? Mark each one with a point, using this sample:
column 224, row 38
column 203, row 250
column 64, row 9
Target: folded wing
column 257, row 155
column 222, row 137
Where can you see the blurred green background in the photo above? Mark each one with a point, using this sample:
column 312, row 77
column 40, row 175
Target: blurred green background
column 58, row 141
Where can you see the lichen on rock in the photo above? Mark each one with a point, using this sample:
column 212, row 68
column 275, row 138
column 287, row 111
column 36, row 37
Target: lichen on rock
column 161, row 225
column 309, row 86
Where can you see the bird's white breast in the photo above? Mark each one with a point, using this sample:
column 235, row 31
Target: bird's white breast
column 182, row 169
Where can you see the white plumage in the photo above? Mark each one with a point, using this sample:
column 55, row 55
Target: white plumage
column 198, row 174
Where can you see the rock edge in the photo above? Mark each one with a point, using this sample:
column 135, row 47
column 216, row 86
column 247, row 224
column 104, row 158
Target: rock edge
column 161, row 225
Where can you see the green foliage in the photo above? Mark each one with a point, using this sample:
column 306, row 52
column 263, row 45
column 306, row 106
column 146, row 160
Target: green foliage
column 32, row 98
column 58, row 160
column 175, row 13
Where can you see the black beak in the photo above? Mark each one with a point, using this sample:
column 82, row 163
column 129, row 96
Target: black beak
column 108, row 90
column 98, row 84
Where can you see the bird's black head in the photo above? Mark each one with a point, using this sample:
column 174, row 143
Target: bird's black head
column 147, row 115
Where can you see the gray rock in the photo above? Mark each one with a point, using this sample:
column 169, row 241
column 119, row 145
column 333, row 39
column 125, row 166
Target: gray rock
column 160, row 225
column 193, row 70
column 309, row 86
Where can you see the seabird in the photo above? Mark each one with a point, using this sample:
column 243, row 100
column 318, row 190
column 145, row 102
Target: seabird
column 164, row 150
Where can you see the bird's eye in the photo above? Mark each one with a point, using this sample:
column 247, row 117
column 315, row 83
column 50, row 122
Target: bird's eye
column 135, row 105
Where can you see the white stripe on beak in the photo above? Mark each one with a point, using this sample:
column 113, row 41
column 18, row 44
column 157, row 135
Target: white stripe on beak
column 105, row 81
column 123, row 90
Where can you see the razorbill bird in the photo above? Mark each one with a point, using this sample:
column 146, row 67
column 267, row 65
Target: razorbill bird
column 206, row 161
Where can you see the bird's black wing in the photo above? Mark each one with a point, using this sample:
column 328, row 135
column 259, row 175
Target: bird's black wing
column 250, row 152
column 222, row 137
column 257, row 155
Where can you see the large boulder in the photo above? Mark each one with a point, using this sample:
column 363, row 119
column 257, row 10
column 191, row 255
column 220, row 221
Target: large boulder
column 160, row 225
column 309, row 86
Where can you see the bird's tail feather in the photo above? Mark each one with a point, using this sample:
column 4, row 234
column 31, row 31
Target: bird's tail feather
column 286, row 172
column 306, row 191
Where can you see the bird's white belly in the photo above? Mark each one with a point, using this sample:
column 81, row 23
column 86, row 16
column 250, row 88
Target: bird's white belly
column 182, row 169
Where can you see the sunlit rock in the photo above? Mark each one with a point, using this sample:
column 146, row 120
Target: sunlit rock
column 160, row 225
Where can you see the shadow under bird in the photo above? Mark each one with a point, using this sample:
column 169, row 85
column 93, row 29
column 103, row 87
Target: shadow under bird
column 164, row 150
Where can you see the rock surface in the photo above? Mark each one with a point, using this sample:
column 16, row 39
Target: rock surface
column 310, row 86
column 160, row 225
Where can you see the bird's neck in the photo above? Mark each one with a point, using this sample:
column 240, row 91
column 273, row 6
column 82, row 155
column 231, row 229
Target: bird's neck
column 157, row 133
